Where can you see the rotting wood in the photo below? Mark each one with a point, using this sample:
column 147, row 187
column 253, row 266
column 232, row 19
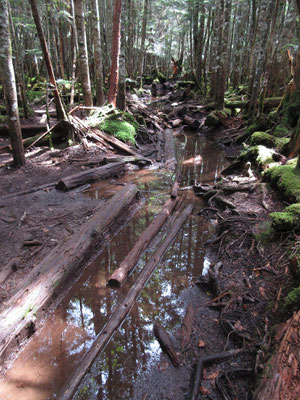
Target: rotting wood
column 91, row 175
column 186, row 327
column 45, row 280
column 176, row 122
column 191, row 122
column 139, row 160
column 130, row 261
column 170, row 157
column 282, row 378
column 206, row 360
column 123, row 308
column 166, row 343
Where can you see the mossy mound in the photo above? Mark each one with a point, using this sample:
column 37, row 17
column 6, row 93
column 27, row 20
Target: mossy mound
column 259, row 155
column 262, row 138
column 286, row 179
column 212, row 119
column 122, row 130
column 287, row 220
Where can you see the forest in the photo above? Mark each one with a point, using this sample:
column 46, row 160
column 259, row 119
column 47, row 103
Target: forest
column 150, row 199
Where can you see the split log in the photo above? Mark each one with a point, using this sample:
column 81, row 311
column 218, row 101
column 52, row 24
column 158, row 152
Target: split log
column 91, row 175
column 206, row 360
column 186, row 327
column 130, row 261
column 121, row 311
column 191, row 122
column 282, row 378
column 170, row 157
column 46, row 279
column 166, row 343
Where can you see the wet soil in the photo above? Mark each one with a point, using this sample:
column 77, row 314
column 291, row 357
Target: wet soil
column 133, row 366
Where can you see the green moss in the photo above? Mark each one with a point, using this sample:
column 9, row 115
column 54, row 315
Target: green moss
column 259, row 155
column 287, row 220
column 2, row 109
column 262, row 138
column 3, row 119
column 292, row 300
column 281, row 144
column 281, row 130
column 122, row 130
column 287, row 180
column 273, row 115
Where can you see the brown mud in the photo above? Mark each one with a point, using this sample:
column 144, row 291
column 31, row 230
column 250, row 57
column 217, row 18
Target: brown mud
column 215, row 268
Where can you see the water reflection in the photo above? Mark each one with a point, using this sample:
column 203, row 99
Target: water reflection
column 43, row 366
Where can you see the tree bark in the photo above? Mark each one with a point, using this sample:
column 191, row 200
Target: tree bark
column 61, row 114
column 83, row 53
column 114, row 72
column 9, row 84
column 98, row 54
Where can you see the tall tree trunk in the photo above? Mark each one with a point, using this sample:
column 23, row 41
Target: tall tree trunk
column 98, row 54
column 61, row 114
column 143, row 39
column 9, row 83
column 121, row 96
column 114, row 73
column 83, row 62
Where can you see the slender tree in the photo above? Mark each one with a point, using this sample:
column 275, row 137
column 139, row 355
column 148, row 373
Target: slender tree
column 98, row 53
column 9, row 83
column 114, row 73
column 83, row 53
column 61, row 114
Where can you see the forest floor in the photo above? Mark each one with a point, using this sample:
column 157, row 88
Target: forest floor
column 246, row 282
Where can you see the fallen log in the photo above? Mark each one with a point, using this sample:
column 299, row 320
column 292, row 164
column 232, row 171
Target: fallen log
column 270, row 102
column 123, row 308
column 44, row 281
column 166, row 343
column 47, row 186
column 130, row 261
column 170, row 157
column 91, row 175
column 282, row 379
column 139, row 160
column 192, row 122
column 206, row 360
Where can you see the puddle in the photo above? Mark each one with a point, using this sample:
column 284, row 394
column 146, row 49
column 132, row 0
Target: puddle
column 132, row 359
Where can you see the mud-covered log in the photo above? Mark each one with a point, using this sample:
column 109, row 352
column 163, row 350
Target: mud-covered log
column 186, row 327
column 123, row 307
column 170, row 157
column 281, row 379
column 130, row 261
column 191, row 122
column 166, row 343
column 61, row 263
column 91, row 175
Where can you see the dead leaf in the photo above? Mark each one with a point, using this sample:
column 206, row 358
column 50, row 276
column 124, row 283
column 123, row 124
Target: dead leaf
column 238, row 326
column 201, row 343
column 204, row 391
column 163, row 366
column 213, row 375
column 262, row 292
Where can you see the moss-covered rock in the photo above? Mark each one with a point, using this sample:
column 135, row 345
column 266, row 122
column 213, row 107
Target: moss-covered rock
column 286, row 179
column 122, row 130
column 262, row 138
column 258, row 155
column 212, row 119
column 287, row 220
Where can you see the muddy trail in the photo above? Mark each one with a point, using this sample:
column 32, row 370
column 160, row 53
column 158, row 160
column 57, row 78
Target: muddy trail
column 198, row 326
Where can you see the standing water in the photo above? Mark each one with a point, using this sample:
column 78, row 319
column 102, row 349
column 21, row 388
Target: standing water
column 131, row 366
